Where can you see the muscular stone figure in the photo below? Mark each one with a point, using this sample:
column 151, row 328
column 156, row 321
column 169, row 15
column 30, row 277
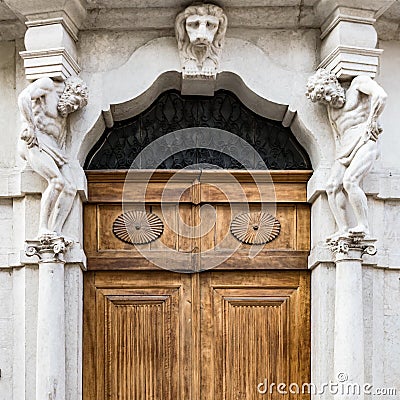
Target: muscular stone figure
column 44, row 106
column 354, row 119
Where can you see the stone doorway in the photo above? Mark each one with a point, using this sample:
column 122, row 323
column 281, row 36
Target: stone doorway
column 197, row 233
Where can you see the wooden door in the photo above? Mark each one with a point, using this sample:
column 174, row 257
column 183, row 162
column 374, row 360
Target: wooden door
column 213, row 335
column 153, row 334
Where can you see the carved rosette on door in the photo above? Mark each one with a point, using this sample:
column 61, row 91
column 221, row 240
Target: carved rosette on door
column 255, row 228
column 138, row 227
column 187, row 224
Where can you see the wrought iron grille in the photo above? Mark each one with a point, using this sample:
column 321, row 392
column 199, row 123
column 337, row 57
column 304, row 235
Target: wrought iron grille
column 120, row 145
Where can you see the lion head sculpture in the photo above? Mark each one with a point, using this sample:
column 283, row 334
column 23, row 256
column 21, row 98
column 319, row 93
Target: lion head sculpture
column 200, row 32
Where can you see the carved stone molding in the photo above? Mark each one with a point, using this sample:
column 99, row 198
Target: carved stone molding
column 352, row 247
column 56, row 57
column 56, row 63
column 348, row 43
column 49, row 249
column 349, row 61
column 51, row 36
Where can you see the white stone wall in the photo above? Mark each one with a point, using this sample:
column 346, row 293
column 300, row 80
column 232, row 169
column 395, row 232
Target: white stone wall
column 116, row 47
column 290, row 56
column 7, row 160
column 6, row 232
column 389, row 78
column 6, row 333
column 8, row 115
column 382, row 323
column 391, row 359
column 25, row 297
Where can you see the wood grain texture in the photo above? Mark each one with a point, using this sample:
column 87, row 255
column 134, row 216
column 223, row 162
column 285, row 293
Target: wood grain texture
column 91, row 342
column 196, row 210
column 214, row 335
column 198, row 233
column 280, row 186
column 138, row 336
column 255, row 327
column 150, row 334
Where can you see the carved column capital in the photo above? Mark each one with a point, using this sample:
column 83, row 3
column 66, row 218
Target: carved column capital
column 352, row 247
column 348, row 39
column 49, row 249
column 50, row 40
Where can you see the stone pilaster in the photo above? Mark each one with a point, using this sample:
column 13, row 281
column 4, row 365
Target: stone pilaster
column 50, row 351
column 349, row 319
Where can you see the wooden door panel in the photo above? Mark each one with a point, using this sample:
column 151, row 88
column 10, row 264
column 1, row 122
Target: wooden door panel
column 254, row 327
column 200, row 234
column 142, row 339
column 140, row 344
column 214, row 335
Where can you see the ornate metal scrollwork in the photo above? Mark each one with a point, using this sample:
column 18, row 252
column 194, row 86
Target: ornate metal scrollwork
column 138, row 227
column 120, row 145
column 255, row 227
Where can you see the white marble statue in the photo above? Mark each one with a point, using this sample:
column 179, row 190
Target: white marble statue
column 200, row 32
column 44, row 106
column 353, row 115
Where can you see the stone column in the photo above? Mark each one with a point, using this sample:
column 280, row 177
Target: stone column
column 50, row 364
column 349, row 318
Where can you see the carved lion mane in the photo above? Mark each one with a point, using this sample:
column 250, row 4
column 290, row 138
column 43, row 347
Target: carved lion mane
column 186, row 49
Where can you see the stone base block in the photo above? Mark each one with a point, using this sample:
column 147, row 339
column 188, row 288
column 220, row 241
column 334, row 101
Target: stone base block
column 198, row 86
column 347, row 62
column 54, row 63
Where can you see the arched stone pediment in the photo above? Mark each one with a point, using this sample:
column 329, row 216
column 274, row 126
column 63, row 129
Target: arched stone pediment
column 262, row 85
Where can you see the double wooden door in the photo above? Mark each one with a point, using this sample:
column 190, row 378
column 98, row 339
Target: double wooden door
column 234, row 332
column 212, row 335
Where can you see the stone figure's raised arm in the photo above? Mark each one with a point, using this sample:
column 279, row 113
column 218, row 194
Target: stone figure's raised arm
column 378, row 96
column 35, row 90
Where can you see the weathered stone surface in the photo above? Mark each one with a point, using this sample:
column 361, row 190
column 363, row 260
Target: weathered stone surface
column 6, row 332
column 128, row 55
column 200, row 33
column 43, row 141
